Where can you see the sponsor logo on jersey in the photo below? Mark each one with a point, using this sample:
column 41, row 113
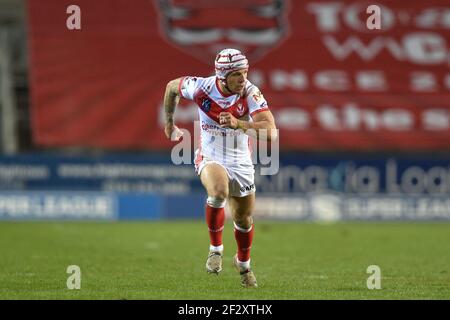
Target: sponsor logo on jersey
column 258, row 96
column 223, row 102
column 207, row 126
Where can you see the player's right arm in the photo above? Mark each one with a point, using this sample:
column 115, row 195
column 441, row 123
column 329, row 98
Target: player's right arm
column 171, row 99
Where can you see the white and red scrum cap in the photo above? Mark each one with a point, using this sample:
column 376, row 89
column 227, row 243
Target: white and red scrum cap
column 229, row 60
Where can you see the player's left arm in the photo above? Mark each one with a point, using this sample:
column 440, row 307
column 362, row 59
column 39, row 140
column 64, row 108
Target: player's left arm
column 263, row 124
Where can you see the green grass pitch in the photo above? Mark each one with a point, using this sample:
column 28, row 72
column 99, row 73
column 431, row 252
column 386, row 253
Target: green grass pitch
column 166, row 260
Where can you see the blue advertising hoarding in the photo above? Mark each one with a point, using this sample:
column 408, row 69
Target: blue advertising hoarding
column 147, row 186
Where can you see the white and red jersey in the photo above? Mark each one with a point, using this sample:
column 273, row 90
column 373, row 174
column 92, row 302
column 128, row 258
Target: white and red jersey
column 227, row 146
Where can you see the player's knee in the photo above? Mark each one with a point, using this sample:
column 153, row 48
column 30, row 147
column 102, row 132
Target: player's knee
column 216, row 202
column 243, row 221
column 219, row 192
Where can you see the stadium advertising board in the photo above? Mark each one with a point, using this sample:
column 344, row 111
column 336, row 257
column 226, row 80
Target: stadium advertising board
column 311, row 187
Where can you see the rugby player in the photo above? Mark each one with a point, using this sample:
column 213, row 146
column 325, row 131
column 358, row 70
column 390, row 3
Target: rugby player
column 230, row 108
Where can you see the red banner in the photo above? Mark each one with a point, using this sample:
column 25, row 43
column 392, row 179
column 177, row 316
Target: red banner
column 99, row 71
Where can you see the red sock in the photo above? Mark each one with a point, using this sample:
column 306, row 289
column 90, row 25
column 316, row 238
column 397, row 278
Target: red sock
column 215, row 219
column 244, row 243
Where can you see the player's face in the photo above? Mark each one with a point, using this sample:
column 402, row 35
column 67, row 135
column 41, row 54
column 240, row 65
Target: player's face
column 236, row 80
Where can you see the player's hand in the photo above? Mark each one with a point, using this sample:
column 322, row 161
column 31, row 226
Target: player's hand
column 172, row 132
column 227, row 120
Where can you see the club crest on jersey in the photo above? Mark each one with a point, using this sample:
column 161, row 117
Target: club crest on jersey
column 240, row 109
column 206, row 105
column 193, row 27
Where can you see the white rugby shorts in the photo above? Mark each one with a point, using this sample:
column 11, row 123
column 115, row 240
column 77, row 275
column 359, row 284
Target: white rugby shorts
column 242, row 181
